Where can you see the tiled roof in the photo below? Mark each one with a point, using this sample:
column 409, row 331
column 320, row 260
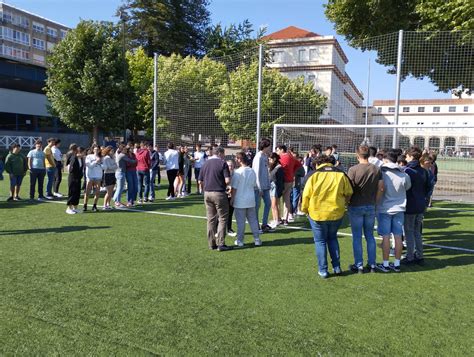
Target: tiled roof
column 290, row 33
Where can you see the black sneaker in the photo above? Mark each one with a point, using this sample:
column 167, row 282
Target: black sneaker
column 94, row 208
column 9, row 199
column 405, row 261
column 382, row 268
column 420, row 261
column 370, row 268
column 395, row 268
column 267, row 229
column 17, row 198
column 84, row 208
column 223, row 248
column 213, row 247
column 356, row 269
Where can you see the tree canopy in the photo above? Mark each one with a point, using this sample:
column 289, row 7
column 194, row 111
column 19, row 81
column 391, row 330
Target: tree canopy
column 167, row 26
column 444, row 55
column 86, row 81
column 283, row 101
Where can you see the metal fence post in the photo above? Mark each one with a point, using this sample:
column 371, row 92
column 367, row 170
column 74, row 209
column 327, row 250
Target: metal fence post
column 259, row 98
column 397, row 94
column 155, row 97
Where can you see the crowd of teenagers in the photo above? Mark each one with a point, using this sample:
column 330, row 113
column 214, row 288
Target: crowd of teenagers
column 391, row 186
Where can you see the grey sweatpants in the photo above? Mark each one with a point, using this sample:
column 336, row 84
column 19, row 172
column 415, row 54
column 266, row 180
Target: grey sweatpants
column 413, row 237
column 241, row 214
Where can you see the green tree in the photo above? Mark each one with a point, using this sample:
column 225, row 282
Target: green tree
column 188, row 95
column 167, row 26
column 443, row 57
column 86, row 83
column 141, row 82
column 234, row 39
column 283, row 101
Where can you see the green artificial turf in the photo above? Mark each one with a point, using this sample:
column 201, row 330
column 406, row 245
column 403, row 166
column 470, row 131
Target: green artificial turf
column 137, row 283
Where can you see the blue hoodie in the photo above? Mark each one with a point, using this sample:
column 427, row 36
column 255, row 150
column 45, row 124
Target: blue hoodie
column 420, row 188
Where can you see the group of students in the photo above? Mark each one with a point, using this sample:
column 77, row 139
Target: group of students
column 394, row 188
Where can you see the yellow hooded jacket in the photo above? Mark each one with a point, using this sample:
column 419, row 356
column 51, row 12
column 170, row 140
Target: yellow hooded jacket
column 326, row 193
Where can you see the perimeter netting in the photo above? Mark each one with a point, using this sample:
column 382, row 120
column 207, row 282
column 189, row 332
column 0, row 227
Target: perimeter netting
column 455, row 159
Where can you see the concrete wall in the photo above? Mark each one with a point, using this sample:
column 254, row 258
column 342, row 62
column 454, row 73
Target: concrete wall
column 14, row 101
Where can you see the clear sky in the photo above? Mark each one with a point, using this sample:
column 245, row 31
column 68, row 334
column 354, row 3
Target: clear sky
column 274, row 14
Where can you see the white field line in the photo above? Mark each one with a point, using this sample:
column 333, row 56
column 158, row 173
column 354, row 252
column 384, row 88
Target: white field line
column 286, row 227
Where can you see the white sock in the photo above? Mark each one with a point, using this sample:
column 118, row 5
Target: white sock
column 397, row 262
column 385, row 263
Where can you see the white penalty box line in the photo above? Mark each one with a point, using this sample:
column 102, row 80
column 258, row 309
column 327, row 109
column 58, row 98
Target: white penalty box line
column 180, row 215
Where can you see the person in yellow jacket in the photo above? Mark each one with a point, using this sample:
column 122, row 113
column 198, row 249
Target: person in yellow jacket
column 326, row 194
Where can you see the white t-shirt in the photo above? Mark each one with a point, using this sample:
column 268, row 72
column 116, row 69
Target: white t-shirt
column 244, row 181
column 94, row 170
column 199, row 159
column 375, row 161
column 56, row 153
column 171, row 159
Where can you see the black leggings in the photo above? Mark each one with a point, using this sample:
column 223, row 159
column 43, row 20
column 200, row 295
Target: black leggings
column 171, row 177
column 58, row 176
column 74, row 191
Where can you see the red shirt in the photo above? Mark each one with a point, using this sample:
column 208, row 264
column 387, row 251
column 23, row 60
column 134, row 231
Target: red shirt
column 289, row 165
column 143, row 160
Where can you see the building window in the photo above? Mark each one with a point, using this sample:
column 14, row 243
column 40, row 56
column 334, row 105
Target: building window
column 313, row 54
column 7, row 17
column 420, row 123
column 63, row 34
column 391, row 109
column 436, row 109
column 37, row 43
column 379, row 110
column 278, row 56
column 421, row 109
column 38, row 27
column 302, row 55
column 52, row 32
column 452, row 109
column 406, row 109
column 311, row 78
column 466, row 109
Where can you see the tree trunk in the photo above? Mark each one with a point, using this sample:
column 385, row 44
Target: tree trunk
column 95, row 135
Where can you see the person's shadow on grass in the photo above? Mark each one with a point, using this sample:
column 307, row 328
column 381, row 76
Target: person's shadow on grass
column 64, row 229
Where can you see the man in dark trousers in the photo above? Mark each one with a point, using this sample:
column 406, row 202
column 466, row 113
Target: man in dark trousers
column 214, row 178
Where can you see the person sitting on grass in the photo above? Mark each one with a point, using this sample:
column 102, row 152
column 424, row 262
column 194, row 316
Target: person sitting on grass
column 243, row 185
column 325, row 196
column 391, row 206
column 16, row 166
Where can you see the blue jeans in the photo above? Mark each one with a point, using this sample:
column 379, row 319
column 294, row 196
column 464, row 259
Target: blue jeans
column 325, row 238
column 267, row 203
column 132, row 186
column 363, row 219
column 51, row 172
column 295, row 198
column 143, row 179
column 120, row 186
column 153, row 174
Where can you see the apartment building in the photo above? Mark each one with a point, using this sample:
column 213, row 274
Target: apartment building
column 319, row 59
column 25, row 40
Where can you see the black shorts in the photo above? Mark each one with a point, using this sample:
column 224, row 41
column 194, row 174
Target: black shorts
column 109, row 179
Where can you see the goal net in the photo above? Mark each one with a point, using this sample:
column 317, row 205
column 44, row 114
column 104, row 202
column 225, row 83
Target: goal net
column 453, row 145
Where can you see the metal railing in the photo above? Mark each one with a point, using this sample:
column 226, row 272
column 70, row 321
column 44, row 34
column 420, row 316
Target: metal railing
column 25, row 141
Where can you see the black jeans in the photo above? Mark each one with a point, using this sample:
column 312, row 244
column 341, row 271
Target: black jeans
column 37, row 175
column 58, row 176
column 171, row 177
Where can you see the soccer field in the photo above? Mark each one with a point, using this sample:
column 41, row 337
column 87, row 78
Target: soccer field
column 142, row 282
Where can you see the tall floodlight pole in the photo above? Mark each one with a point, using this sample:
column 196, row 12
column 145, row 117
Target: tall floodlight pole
column 397, row 95
column 259, row 98
column 155, row 97
column 366, row 139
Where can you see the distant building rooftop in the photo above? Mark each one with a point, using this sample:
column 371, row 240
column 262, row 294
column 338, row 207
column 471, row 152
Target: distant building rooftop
column 290, row 32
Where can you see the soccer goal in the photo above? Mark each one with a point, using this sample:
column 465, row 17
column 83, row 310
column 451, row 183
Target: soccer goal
column 454, row 146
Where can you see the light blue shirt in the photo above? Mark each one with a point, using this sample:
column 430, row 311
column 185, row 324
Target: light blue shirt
column 37, row 159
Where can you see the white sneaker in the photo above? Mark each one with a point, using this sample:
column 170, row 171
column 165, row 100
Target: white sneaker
column 299, row 213
column 291, row 219
column 70, row 211
column 337, row 270
column 231, row 233
column 169, row 198
column 57, row 194
column 238, row 243
column 258, row 242
column 49, row 197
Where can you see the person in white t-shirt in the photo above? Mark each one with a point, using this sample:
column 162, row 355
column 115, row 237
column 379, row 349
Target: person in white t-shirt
column 199, row 158
column 94, row 173
column 373, row 157
column 243, row 186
